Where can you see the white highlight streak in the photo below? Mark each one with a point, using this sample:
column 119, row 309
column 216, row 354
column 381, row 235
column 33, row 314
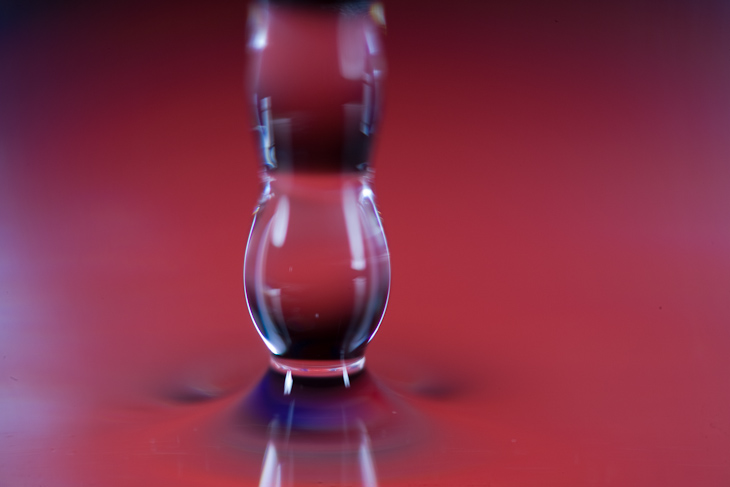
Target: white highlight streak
column 271, row 471
column 260, row 38
column 288, row 383
column 280, row 222
column 367, row 465
column 259, row 20
column 345, row 376
column 354, row 232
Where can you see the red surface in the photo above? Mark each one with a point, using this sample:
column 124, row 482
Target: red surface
column 553, row 181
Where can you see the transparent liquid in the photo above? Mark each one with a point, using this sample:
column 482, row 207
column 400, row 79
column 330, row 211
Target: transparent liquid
column 317, row 269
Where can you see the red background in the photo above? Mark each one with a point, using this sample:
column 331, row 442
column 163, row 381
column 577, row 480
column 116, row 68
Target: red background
column 553, row 179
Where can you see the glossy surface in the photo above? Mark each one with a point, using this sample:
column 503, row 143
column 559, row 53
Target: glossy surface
column 315, row 75
column 559, row 306
column 317, row 269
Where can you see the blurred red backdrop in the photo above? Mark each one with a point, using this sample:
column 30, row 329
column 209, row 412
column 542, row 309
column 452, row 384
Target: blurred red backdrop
column 553, row 181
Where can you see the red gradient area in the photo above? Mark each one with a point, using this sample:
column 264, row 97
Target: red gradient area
column 554, row 186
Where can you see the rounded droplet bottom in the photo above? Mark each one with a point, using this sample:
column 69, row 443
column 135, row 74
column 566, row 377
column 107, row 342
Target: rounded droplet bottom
column 328, row 369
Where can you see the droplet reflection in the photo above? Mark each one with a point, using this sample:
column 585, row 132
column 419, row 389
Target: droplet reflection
column 320, row 430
